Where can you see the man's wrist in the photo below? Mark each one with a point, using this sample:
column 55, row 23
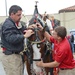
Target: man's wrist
column 43, row 65
column 25, row 36
column 45, row 32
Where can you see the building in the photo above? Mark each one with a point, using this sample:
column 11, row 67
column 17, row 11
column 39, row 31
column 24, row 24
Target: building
column 67, row 17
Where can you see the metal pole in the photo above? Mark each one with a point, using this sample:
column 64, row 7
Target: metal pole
column 6, row 6
column 36, row 2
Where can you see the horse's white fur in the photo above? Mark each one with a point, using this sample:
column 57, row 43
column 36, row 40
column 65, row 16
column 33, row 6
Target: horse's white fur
column 36, row 55
column 36, row 52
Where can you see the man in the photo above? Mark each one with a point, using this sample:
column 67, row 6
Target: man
column 62, row 55
column 12, row 38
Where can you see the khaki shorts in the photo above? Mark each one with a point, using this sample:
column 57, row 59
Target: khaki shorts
column 67, row 72
column 12, row 64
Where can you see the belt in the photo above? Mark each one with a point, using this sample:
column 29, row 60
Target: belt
column 9, row 52
column 64, row 68
column 15, row 52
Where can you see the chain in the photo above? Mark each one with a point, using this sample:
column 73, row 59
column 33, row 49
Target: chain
column 32, row 70
column 43, row 70
column 49, row 46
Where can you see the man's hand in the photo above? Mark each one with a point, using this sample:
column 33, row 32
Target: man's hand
column 39, row 63
column 28, row 33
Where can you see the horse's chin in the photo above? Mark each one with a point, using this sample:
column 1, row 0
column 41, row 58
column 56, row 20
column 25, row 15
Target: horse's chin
column 38, row 70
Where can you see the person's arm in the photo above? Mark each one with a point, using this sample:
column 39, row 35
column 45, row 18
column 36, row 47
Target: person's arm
column 47, row 35
column 50, row 64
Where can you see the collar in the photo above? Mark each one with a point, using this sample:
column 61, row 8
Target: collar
column 18, row 25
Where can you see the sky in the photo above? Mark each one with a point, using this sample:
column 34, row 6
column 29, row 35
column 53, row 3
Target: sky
column 28, row 6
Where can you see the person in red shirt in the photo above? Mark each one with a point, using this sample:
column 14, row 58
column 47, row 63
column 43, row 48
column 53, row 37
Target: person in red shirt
column 62, row 55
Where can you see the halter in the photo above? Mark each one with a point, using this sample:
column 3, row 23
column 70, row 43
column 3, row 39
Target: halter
column 37, row 42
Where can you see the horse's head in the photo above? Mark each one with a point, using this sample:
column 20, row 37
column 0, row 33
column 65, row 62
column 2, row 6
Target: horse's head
column 38, row 36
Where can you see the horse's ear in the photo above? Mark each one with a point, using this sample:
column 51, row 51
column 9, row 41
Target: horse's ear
column 31, row 21
column 41, row 22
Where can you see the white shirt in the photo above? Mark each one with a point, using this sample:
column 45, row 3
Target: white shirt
column 49, row 24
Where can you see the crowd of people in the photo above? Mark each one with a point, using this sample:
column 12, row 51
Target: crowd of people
column 12, row 39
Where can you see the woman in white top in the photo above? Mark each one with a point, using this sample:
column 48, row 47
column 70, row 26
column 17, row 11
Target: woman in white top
column 48, row 22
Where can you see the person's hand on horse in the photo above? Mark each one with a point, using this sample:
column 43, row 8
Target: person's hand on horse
column 39, row 63
column 39, row 26
column 28, row 33
column 32, row 26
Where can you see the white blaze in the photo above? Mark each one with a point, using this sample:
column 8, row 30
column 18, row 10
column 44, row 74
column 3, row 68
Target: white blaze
column 36, row 55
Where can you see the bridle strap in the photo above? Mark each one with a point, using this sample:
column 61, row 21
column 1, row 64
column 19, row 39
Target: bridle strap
column 36, row 59
column 37, row 42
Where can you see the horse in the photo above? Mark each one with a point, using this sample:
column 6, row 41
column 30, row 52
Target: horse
column 37, row 47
